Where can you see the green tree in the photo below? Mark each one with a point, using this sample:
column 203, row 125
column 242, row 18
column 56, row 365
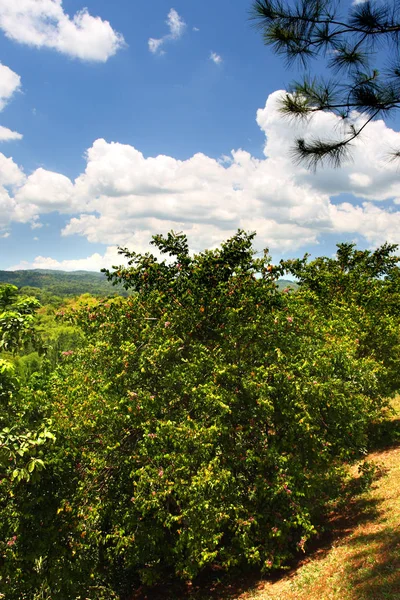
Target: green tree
column 16, row 318
column 367, row 283
column 306, row 29
column 21, row 438
column 205, row 421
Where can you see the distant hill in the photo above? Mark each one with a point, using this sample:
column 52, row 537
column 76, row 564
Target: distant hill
column 286, row 283
column 62, row 283
column 75, row 283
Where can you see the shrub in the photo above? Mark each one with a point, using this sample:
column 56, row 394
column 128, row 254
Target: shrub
column 205, row 422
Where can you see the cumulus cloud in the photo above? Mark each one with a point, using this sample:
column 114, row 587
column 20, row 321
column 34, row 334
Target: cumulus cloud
column 7, row 135
column 374, row 223
column 44, row 24
column 10, row 82
column 126, row 198
column 95, row 262
column 369, row 161
column 11, row 178
column 47, row 190
column 11, row 175
column 216, row 58
column 176, row 26
column 123, row 198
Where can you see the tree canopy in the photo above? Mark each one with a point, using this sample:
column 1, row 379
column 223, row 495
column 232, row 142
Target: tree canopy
column 358, row 90
column 203, row 421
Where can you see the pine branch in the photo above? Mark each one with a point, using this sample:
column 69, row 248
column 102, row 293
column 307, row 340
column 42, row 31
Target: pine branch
column 317, row 151
column 306, row 29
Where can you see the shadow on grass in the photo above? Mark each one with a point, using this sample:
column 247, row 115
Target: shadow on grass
column 210, row 586
column 217, row 585
column 374, row 570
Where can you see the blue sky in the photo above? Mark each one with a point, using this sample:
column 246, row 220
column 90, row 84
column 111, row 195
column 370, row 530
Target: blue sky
column 134, row 118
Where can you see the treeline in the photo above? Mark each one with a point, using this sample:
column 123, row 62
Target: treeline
column 205, row 420
column 60, row 283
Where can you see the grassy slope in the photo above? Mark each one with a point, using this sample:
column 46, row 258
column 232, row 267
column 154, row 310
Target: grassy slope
column 358, row 560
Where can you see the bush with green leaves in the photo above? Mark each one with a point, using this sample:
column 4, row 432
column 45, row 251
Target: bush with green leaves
column 17, row 315
column 368, row 283
column 16, row 318
column 206, row 421
column 22, row 436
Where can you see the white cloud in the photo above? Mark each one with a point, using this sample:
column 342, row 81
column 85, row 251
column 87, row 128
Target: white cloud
column 200, row 195
column 95, row 262
column 37, row 225
column 360, row 180
column 123, row 198
column 369, row 154
column 176, row 26
column 10, row 82
column 216, row 58
column 11, row 175
column 175, row 23
column 51, row 191
column 11, row 178
column 7, row 135
column 44, row 24
column 155, row 45
column 374, row 223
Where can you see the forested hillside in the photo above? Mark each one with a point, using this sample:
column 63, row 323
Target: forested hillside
column 61, row 283
column 75, row 283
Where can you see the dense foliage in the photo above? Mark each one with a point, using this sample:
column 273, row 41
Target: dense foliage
column 205, row 420
column 18, row 441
